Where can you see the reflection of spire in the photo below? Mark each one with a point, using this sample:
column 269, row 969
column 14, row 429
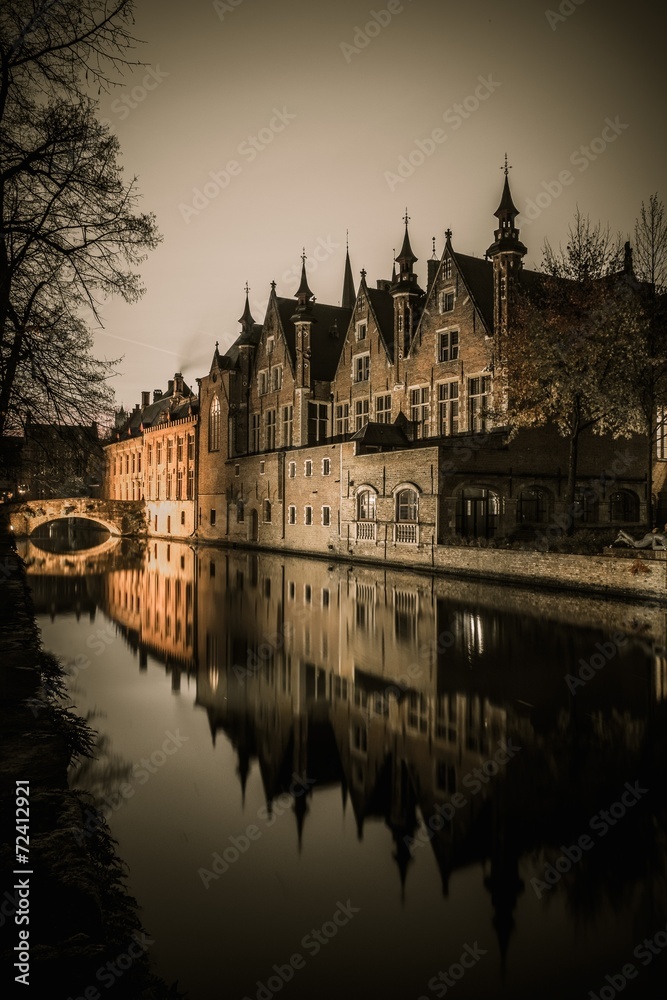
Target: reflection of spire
column 243, row 771
column 300, row 810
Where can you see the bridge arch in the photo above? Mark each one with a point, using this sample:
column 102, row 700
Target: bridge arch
column 119, row 517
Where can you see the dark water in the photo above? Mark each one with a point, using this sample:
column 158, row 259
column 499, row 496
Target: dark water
column 331, row 780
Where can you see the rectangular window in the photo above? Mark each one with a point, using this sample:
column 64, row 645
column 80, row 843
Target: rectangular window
column 237, row 469
column 270, row 428
column 170, row 450
column 291, row 470
column 291, row 515
column 288, row 415
column 179, row 450
column 134, row 460
column 326, row 516
column 308, row 515
column 263, row 382
column 183, row 519
column 448, row 346
column 270, row 345
column 479, row 390
column 276, row 377
column 308, row 468
column 262, row 467
column 362, row 330
column 448, row 408
column 446, row 302
column 383, row 409
column 212, row 516
column 139, row 462
column 150, row 454
column 447, row 268
column 191, row 447
column 158, row 453
column 191, row 484
column 317, row 422
column 255, row 443
column 360, row 414
column 342, row 419
column 179, row 484
column 157, row 486
column 240, row 512
column 420, row 410
column 362, row 367
column 326, row 466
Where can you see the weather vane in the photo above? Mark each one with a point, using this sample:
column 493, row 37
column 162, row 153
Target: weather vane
column 506, row 168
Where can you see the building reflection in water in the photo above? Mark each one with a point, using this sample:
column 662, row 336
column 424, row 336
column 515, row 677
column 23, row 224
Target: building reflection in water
column 405, row 691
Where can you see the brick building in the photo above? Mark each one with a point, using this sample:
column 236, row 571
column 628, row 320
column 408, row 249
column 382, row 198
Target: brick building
column 366, row 427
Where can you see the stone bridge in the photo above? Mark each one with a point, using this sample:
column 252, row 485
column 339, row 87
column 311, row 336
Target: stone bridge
column 120, row 517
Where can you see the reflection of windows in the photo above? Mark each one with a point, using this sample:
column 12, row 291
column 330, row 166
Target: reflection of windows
column 383, row 409
column 417, row 712
column 213, row 429
column 420, row 409
column 448, row 346
column 445, row 718
column 362, row 367
column 448, row 408
column 479, row 390
column 405, row 616
column 342, row 418
column 360, row 414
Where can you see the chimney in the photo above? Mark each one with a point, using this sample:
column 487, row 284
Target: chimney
column 157, row 394
column 432, row 266
column 170, row 387
column 383, row 285
column 179, row 384
column 145, row 400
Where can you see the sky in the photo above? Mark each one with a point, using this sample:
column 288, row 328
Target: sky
column 259, row 129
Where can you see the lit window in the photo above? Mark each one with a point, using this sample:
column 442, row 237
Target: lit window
column 213, row 429
column 448, row 346
column 448, row 408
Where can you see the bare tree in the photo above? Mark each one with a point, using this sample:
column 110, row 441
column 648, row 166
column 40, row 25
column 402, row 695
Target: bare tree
column 71, row 232
column 650, row 248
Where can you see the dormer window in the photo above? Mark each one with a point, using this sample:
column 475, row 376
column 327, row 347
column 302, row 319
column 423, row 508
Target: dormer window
column 447, row 268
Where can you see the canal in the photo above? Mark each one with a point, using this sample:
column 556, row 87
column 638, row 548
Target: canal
column 332, row 780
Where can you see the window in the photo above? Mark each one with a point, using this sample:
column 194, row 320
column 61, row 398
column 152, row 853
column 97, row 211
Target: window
column 276, row 377
column 150, row 454
column 288, row 413
column 585, row 506
column 267, row 511
column 479, row 390
column 448, row 346
column 139, row 462
column 191, row 484
column 157, row 486
column 308, row 468
column 362, row 330
column 240, row 512
column 191, row 447
column 179, row 484
column 127, row 464
column 342, row 419
column 362, row 367
column 447, row 268
column 661, row 433
column 169, row 484
column 263, row 382
column 170, row 450
column 291, row 514
column 383, row 409
column 262, row 467
column 291, row 470
column 237, row 469
column 326, row 516
column 213, row 429
column 420, row 409
column 168, row 524
column 270, row 428
column 448, row 408
column 134, row 460
column 308, row 515
column 446, row 302
column 406, row 505
column 255, row 444
column 366, row 506
column 179, row 449
column 326, row 466
column 360, row 414
column 624, row 506
column 212, row 517
column 533, row 506
column 317, row 422
column 158, row 447
column 270, row 345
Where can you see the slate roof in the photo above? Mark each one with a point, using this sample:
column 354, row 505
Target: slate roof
column 382, row 304
column 381, row 435
column 477, row 274
column 325, row 349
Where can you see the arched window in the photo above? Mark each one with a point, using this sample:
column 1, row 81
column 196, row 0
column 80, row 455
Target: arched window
column 623, row 506
column 366, row 506
column 214, row 426
column 267, row 511
column 407, row 505
column 477, row 512
column 533, row 506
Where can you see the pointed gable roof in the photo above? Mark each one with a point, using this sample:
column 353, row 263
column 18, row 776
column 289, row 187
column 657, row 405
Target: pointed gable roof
column 325, row 346
column 477, row 275
column 349, row 295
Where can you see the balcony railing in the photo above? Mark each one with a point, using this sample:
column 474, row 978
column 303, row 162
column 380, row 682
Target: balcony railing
column 365, row 531
column 406, row 533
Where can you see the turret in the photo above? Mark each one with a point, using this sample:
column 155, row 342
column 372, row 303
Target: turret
column 506, row 252
column 407, row 300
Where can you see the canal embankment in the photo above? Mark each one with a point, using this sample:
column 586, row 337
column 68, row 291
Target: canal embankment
column 70, row 927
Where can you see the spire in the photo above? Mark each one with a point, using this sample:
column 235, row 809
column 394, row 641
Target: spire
column 349, row 295
column 506, row 212
column 304, row 296
column 247, row 322
column 507, row 234
column 406, row 280
column 393, row 267
column 215, row 363
column 406, row 253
